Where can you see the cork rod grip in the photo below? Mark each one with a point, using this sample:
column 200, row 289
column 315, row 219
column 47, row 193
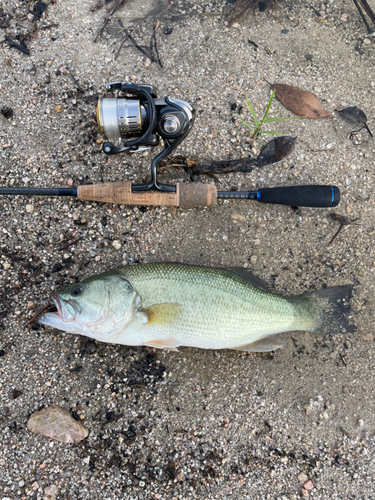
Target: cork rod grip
column 186, row 195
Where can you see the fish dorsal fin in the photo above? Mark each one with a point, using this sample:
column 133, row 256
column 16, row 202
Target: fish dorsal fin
column 169, row 344
column 262, row 345
column 162, row 314
column 249, row 276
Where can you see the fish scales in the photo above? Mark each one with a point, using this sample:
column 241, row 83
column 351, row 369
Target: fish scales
column 220, row 308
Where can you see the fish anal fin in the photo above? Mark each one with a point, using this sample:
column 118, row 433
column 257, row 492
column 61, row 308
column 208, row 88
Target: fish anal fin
column 263, row 345
column 162, row 314
column 169, row 344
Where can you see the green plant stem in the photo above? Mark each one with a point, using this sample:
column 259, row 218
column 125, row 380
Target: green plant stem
column 259, row 127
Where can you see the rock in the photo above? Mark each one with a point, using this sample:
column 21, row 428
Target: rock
column 51, row 491
column 180, row 476
column 368, row 337
column 308, row 486
column 116, row 244
column 238, row 217
column 57, row 423
column 303, row 478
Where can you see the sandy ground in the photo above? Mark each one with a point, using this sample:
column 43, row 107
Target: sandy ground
column 193, row 424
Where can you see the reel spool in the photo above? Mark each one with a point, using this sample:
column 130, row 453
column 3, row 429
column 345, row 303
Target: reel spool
column 137, row 122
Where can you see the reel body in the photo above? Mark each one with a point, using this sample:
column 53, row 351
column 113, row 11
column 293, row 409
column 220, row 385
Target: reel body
column 138, row 120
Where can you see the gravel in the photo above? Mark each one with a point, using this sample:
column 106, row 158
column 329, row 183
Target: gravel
column 195, row 424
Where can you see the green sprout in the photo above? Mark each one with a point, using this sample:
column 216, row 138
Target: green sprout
column 258, row 124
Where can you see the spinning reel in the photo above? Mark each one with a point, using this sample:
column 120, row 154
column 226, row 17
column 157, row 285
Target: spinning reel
column 136, row 120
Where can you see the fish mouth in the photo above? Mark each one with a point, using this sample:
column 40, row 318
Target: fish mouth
column 66, row 309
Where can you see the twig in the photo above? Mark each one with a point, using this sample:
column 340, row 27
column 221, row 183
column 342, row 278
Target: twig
column 134, row 42
column 343, row 222
column 369, row 30
column 45, row 308
column 79, row 88
column 155, row 48
column 106, row 19
column 365, row 6
column 54, row 25
column 11, row 42
column 126, row 36
column 101, row 29
column 97, row 6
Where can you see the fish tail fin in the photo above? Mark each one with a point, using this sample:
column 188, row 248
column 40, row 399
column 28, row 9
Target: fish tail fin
column 332, row 309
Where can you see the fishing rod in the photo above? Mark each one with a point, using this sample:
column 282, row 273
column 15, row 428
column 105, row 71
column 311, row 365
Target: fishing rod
column 189, row 195
column 136, row 119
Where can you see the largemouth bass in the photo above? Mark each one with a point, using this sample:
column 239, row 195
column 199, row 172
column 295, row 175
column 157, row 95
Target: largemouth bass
column 169, row 305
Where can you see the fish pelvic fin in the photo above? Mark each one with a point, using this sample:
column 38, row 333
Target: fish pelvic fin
column 263, row 345
column 162, row 314
column 332, row 310
column 169, row 344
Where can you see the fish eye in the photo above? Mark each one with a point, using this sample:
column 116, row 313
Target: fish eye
column 76, row 290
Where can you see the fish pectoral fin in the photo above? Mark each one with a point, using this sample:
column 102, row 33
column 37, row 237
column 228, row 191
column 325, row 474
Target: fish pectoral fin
column 169, row 344
column 263, row 345
column 162, row 314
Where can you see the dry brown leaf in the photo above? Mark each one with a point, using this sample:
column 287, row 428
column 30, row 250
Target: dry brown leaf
column 301, row 102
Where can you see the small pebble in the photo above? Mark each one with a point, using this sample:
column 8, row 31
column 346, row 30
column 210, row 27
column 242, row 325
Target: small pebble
column 238, row 217
column 303, row 478
column 116, row 244
column 308, row 486
column 90, row 347
column 51, row 491
column 368, row 337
